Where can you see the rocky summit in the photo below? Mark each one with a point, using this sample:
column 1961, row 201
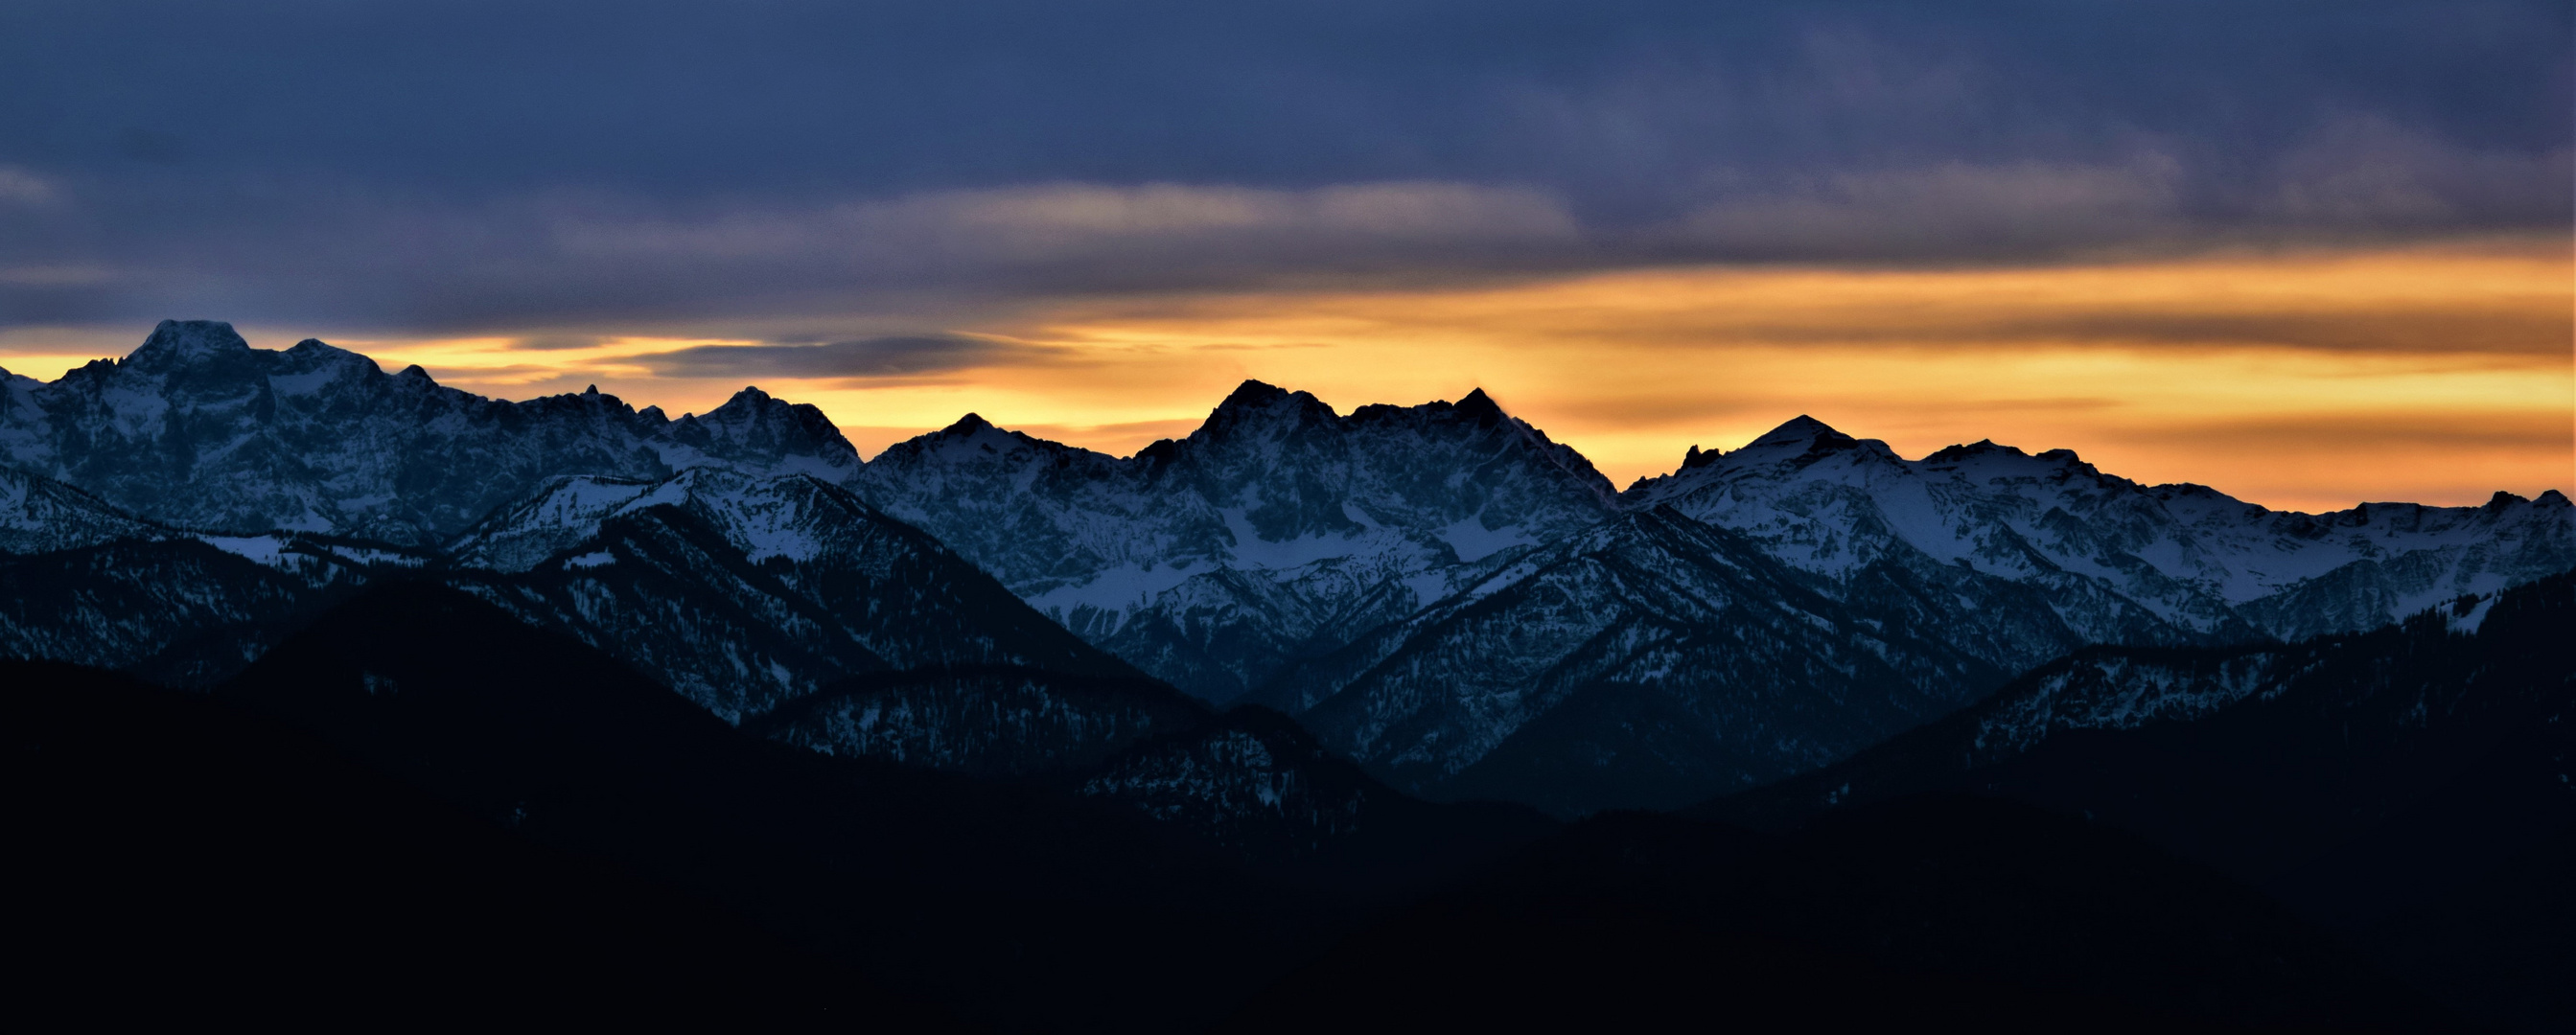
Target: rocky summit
column 196, row 428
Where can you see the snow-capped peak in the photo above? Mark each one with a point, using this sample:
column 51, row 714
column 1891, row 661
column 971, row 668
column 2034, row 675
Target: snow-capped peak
column 176, row 343
column 198, row 429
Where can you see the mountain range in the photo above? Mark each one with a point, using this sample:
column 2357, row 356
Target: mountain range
column 1439, row 592
column 1305, row 678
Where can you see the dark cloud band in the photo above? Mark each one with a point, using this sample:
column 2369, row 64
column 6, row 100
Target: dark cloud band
column 455, row 165
column 865, row 358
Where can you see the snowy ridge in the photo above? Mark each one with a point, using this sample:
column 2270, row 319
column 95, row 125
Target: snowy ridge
column 744, row 593
column 1647, row 662
column 197, row 429
column 1273, row 531
column 2175, row 563
column 740, row 592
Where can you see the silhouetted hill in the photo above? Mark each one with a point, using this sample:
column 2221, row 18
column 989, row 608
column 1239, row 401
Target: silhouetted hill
column 1255, row 782
column 2372, row 780
column 182, row 860
column 1016, row 904
column 1930, row 913
column 989, row 720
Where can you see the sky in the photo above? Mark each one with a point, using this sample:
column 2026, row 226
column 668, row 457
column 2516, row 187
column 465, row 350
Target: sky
column 2309, row 253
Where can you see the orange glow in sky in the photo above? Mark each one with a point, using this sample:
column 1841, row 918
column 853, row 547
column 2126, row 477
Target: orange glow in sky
column 2310, row 380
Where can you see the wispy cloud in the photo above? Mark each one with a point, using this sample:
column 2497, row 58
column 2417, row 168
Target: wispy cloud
column 860, row 359
column 20, row 187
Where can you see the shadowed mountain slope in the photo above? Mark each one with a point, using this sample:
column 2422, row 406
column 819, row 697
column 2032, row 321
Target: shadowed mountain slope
column 1014, row 904
column 1625, row 667
column 743, row 593
column 199, row 862
column 1926, row 913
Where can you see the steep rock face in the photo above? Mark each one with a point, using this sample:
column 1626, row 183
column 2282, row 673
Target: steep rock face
column 987, row 720
column 1277, row 530
column 1642, row 661
column 2117, row 561
column 743, row 593
column 198, row 429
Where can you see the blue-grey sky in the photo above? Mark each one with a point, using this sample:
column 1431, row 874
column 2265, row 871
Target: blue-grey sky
column 2310, row 252
column 805, row 169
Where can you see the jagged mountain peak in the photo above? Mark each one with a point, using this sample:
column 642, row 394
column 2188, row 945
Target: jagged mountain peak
column 1799, row 430
column 1254, row 395
column 755, row 429
column 1980, row 447
column 1256, row 405
column 198, row 429
column 972, row 435
column 1480, row 406
column 2123, row 562
column 1275, row 522
column 180, row 342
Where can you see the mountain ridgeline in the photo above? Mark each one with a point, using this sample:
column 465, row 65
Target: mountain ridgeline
column 1301, row 715
column 1440, row 593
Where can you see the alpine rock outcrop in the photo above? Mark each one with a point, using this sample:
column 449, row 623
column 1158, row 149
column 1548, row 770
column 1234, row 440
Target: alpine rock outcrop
column 1278, row 530
column 200, row 430
column 2117, row 561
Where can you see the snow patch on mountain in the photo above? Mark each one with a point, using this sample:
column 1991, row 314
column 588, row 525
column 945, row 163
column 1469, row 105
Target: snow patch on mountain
column 1278, row 529
column 2202, row 565
column 197, row 429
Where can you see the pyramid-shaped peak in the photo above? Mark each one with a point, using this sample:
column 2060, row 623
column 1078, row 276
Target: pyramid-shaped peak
column 1253, row 394
column 969, row 424
column 1800, row 430
column 177, row 341
column 751, row 395
column 1478, row 404
column 1254, row 404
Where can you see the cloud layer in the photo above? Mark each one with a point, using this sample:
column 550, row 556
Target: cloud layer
column 576, row 168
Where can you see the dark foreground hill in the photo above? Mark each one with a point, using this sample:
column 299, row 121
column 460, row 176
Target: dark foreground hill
column 1018, row 905
column 432, row 795
column 1938, row 913
column 182, row 859
column 2407, row 786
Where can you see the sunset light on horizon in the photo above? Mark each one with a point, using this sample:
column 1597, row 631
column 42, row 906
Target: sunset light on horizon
column 2302, row 379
